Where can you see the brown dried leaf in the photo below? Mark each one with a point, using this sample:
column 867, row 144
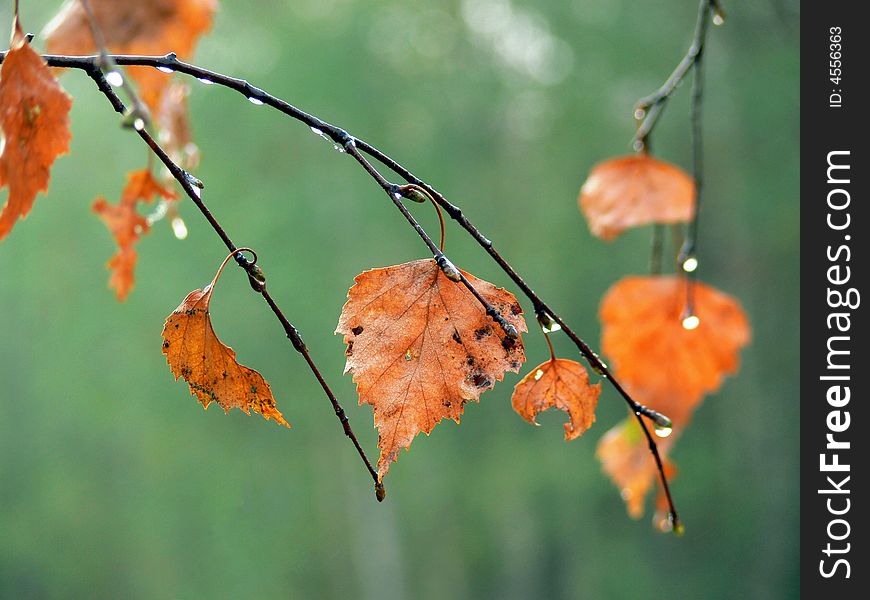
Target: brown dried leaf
column 126, row 225
column 152, row 27
column 630, row 191
column 559, row 383
column 34, row 117
column 420, row 346
column 209, row 367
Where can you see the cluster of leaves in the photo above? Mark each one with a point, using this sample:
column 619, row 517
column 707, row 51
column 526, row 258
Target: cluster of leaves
column 419, row 345
column 35, row 110
column 671, row 339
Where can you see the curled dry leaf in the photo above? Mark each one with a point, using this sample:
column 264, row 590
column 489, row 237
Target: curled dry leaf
column 559, row 383
column 209, row 367
column 630, row 191
column 419, row 346
column 663, row 365
column 152, row 27
column 34, row 117
column 127, row 225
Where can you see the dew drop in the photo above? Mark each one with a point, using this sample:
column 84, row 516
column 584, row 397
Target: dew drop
column 205, row 80
column 665, row 524
column 139, row 124
column 337, row 148
column 718, row 19
column 165, row 70
column 255, row 101
column 538, row 374
column 663, row 431
column 197, row 191
column 548, row 323
column 179, row 228
column 639, row 113
column 115, row 78
column 691, row 322
column 690, row 264
column 638, row 146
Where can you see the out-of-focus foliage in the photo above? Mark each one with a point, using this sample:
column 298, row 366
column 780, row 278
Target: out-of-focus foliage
column 113, row 482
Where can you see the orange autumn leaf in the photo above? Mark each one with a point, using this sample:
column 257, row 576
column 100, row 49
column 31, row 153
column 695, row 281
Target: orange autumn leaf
column 662, row 364
column 209, row 367
column 126, row 225
column 419, row 346
column 133, row 27
column 630, row 191
column 34, row 118
column 559, row 383
column 625, row 457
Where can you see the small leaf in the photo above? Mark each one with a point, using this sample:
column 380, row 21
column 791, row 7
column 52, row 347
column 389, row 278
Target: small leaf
column 209, row 367
column 559, row 383
column 34, row 118
column 630, row 191
column 420, row 346
column 127, row 225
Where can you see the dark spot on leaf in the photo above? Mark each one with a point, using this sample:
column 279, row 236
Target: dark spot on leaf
column 481, row 380
column 456, row 337
column 482, row 333
column 507, row 343
column 166, row 343
column 357, row 330
column 515, row 309
column 469, row 361
column 349, row 351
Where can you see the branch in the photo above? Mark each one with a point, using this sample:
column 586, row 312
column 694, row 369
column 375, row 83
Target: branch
column 355, row 147
column 649, row 108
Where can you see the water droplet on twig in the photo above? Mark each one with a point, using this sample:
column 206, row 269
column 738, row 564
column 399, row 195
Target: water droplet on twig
column 691, row 322
column 115, row 78
column 690, row 264
column 547, row 322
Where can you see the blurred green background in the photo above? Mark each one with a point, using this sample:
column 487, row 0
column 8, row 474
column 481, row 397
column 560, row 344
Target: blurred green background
column 115, row 483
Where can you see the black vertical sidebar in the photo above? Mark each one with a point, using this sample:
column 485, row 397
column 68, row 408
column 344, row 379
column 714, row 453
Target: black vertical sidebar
column 835, row 342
